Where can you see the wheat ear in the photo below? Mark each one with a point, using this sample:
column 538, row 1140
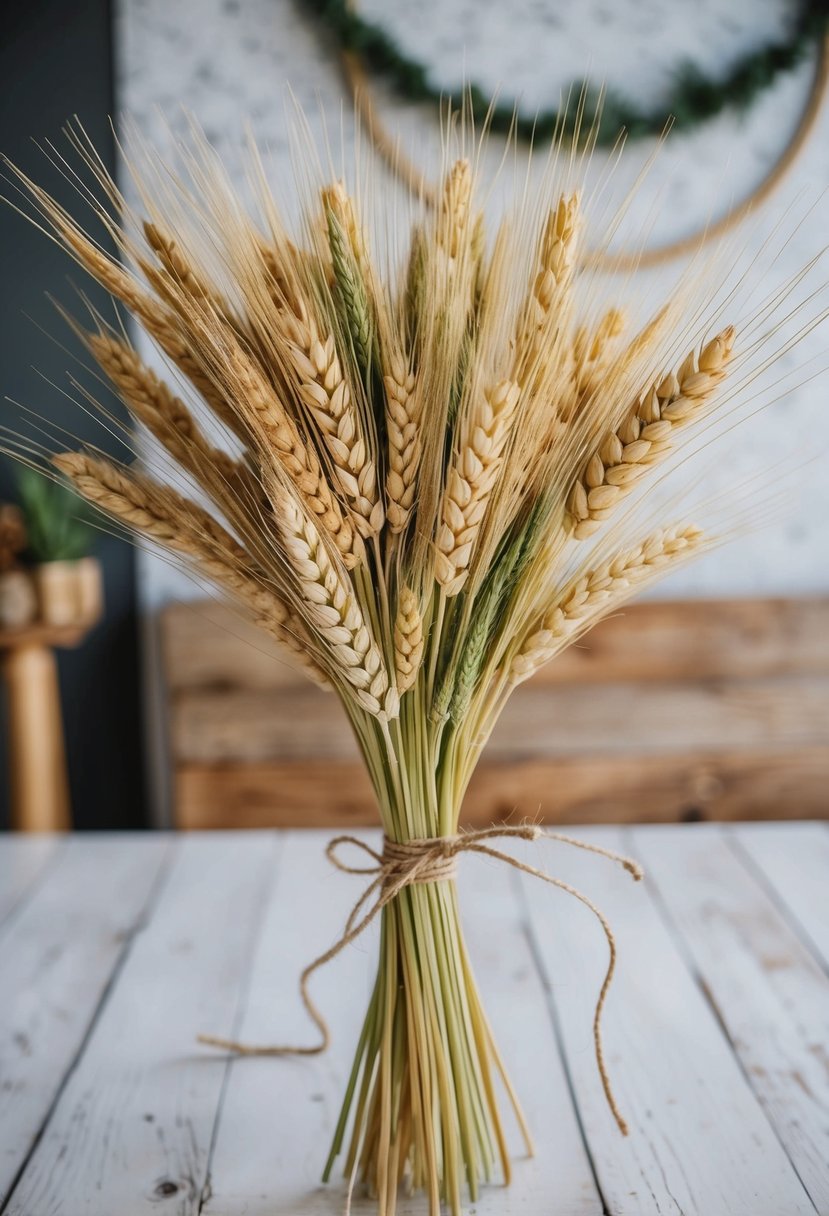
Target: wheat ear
column 326, row 394
column 403, row 427
column 408, row 640
column 175, row 264
column 282, row 438
column 181, row 526
column 645, row 435
column 591, row 349
column 331, row 606
column 155, row 317
column 352, row 275
column 597, row 591
column 154, row 404
column 541, row 316
column 470, row 479
column 454, row 213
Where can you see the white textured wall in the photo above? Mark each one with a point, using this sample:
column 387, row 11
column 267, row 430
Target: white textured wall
column 228, row 61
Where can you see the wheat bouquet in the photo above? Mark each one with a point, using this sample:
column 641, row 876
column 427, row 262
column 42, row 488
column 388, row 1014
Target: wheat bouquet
column 419, row 474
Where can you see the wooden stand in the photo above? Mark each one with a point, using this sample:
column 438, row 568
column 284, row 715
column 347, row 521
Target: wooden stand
column 37, row 759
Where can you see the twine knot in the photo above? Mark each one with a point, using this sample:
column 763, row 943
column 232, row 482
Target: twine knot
column 404, row 863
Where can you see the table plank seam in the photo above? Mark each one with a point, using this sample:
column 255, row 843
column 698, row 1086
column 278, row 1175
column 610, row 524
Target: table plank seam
column 12, row 913
column 686, row 954
column 787, row 913
column 529, row 934
column 245, row 987
column 129, row 937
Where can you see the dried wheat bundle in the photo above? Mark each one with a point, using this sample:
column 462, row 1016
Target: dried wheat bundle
column 432, row 490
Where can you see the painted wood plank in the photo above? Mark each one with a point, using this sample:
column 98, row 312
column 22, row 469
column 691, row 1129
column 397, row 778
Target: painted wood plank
column 23, row 863
column 557, row 722
column 132, row 1129
column 55, row 964
column 759, row 783
column 278, row 1116
column 700, row 1143
column 769, row 992
column 207, row 644
column 794, row 860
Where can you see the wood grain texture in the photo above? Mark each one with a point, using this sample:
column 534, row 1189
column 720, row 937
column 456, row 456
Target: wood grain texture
column 23, row 862
column 55, row 965
column 699, row 1142
column 714, row 1028
column 132, row 1129
column 667, row 712
column 208, row 645
column 795, row 865
column 769, row 992
column 250, row 726
column 594, row 789
column 38, row 779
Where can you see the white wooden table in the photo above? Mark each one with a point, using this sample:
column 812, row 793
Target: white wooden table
column 116, row 951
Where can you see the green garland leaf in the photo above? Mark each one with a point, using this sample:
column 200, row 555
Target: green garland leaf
column 694, row 99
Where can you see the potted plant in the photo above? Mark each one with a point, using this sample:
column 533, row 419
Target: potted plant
column 67, row 578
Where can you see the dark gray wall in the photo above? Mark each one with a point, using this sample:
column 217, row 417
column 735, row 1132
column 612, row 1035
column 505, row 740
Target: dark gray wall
column 55, row 62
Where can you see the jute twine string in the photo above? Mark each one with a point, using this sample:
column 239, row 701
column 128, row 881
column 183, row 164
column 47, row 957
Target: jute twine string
column 623, row 261
column 406, row 863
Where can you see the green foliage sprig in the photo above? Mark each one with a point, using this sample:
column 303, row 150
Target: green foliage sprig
column 56, row 519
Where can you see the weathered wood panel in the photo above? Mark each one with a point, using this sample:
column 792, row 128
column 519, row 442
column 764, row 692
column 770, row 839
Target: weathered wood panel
column 132, row 1129
column 55, row 965
column 207, row 644
column 699, row 1142
column 769, row 992
column 307, row 724
column 668, row 711
column 595, row 789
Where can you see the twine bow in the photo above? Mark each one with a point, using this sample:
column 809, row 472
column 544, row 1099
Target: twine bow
column 404, row 863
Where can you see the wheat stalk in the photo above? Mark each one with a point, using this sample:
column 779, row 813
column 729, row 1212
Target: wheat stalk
column 645, row 435
column 408, row 640
column 469, row 481
column 332, row 608
column 598, row 591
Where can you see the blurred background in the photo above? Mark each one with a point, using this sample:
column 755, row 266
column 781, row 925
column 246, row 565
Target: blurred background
column 169, row 711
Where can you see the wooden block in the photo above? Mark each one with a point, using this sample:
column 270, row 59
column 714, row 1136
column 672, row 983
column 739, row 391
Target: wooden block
column 617, row 788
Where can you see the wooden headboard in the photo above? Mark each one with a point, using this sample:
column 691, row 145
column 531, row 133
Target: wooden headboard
column 671, row 711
